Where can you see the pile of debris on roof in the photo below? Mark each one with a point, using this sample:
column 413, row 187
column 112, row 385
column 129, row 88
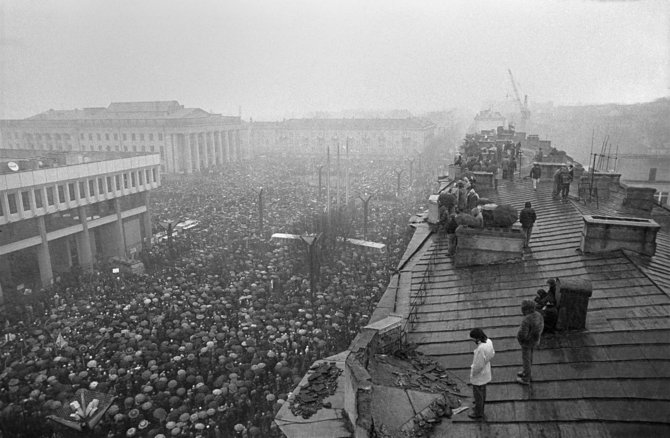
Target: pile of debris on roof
column 414, row 394
column 321, row 383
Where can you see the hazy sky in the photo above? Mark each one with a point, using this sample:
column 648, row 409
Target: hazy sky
column 279, row 58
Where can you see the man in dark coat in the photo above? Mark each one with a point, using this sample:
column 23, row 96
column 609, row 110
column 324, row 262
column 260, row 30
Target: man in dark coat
column 535, row 174
column 528, row 337
column 527, row 217
column 451, row 235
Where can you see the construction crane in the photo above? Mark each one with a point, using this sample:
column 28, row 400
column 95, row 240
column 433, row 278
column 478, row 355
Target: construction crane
column 523, row 106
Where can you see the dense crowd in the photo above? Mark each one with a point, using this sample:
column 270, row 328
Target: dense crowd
column 223, row 325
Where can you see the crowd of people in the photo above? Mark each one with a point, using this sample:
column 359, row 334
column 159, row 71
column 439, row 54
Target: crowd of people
column 213, row 338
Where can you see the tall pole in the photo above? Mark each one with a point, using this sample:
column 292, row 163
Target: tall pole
column 398, row 173
column 260, row 211
column 346, row 183
column 365, row 200
column 328, row 186
column 320, row 167
column 338, row 177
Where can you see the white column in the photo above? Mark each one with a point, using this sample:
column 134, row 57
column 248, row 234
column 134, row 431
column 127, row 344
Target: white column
column 188, row 166
column 218, row 147
column 197, row 152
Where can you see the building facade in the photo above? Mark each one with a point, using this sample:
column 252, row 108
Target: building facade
column 380, row 138
column 52, row 218
column 187, row 139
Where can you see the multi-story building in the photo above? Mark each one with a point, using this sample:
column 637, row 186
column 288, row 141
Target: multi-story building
column 382, row 138
column 62, row 209
column 187, row 139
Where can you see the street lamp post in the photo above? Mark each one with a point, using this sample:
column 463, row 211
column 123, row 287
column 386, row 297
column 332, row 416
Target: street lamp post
column 365, row 200
column 398, row 173
column 320, row 167
column 260, row 211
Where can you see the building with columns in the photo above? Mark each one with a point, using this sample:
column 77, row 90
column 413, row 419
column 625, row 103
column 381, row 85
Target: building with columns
column 375, row 138
column 63, row 209
column 187, row 139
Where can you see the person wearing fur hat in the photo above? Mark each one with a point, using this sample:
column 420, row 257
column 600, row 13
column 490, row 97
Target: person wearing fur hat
column 528, row 337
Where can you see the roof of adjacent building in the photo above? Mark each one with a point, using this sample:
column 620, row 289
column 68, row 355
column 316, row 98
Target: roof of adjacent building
column 128, row 110
column 610, row 380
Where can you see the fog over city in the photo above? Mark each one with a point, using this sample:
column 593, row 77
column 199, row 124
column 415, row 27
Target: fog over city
column 271, row 59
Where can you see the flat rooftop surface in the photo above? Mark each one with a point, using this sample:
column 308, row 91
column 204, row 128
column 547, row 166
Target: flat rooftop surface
column 611, row 380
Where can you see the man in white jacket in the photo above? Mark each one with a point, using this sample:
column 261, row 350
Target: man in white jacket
column 480, row 370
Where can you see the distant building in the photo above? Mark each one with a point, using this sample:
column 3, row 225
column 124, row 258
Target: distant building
column 383, row 138
column 648, row 170
column 488, row 120
column 63, row 209
column 187, row 139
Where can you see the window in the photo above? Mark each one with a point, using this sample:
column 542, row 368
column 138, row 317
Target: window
column 91, row 187
column 61, row 194
column 162, row 152
column 38, row 198
column 71, row 188
column 125, row 180
column 133, row 136
column 107, row 137
column 140, row 175
column 50, row 195
column 82, row 189
column 652, row 174
column 109, row 184
column 141, row 137
column 66, row 136
column 57, row 136
column 118, row 148
column 148, row 176
column 153, row 173
column 98, row 136
column 90, row 137
column 117, row 179
column 134, row 148
column 81, row 136
column 125, row 137
column 133, row 179
column 151, row 137
column 39, row 136
column 160, row 136
column 151, row 148
column 2, row 213
column 25, row 200
column 101, row 186
column 11, row 200
column 116, row 136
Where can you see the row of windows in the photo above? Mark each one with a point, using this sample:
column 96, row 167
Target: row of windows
column 98, row 136
column 86, row 188
column 108, row 148
column 124, row 136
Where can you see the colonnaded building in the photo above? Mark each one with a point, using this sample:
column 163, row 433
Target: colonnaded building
column 187, row 139
column 379, row 138
column 59, row 209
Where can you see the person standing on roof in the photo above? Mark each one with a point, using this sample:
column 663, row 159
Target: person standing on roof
column 566, row 180
column 535, row 174
column 528, row 337
column 472, row 199
column 527, row 217
column 480, row 370
column 451, row 235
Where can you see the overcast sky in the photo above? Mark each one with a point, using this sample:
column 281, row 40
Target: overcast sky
column 281, row 58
